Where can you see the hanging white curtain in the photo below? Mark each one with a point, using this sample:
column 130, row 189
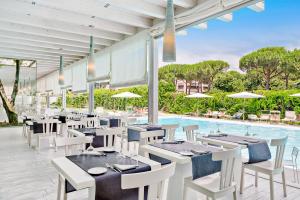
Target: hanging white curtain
column 52, row 84
column 129, row 61
column 41, row 85
column 79, row 74
column 102, row 65
column 68, row 77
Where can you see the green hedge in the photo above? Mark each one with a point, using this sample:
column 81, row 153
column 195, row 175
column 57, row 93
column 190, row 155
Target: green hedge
column 172, row 102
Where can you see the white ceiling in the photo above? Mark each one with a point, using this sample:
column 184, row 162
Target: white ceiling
column 42, row 30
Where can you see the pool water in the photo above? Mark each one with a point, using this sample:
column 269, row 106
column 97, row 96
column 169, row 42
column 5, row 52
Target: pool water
column 268, row 132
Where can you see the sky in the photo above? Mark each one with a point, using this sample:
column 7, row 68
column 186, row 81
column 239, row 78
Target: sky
column 277, row 25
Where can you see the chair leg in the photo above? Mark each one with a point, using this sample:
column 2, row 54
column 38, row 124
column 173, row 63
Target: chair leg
column 256, row 179
column 59, row 188
column 271, row 187
column 284, row 183
column 242, row 180
column 235, row 195
column 184, row 192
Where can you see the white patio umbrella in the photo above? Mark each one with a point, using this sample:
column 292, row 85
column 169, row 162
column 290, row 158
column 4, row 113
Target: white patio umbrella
column 245, row 95
column 198, row 95
column 126, row 95
column 295, row 95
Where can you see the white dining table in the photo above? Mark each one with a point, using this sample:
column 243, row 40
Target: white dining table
column 80, row 179
column 183, row 170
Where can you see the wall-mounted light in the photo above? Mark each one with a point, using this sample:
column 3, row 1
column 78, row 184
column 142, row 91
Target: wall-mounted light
column 61, row 77
column 169, row 40
column 91, row 62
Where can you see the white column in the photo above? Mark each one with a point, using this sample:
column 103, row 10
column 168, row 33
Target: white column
column 64, row 99
column 153, row 82
column 48, row 100
column 91, row 98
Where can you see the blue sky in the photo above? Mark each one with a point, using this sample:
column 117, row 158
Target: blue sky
column 278, row 25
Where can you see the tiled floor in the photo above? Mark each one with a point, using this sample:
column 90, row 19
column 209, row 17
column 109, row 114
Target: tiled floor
column 28, row 174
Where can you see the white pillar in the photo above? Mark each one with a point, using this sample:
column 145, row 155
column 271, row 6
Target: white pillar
column 64, row 99
column 153, row 82
column 48, row 100
column 91, row 98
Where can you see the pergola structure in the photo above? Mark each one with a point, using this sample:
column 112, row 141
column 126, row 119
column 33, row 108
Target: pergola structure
column 44, row 30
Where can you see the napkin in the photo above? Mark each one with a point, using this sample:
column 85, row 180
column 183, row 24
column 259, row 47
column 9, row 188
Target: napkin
column 124, row 167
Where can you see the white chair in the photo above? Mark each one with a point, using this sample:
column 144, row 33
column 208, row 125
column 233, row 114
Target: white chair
column 72, row 145
column 191, row 135
column 269, row 167
column 153, row 179
column 150, row 137
column 293, row 163
column 91, row 121
column 48, row 130
column 170, row 131
column 218, row 184
column 109, row 136
column 75, row 124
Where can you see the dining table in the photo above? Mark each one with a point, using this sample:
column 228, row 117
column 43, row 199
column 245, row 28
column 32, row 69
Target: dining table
column 197, row 165
column 74, row 169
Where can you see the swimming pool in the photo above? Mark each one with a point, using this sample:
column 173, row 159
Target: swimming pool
column 264, row 131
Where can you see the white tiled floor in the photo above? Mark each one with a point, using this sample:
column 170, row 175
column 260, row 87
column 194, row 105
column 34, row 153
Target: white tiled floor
column 26, row 174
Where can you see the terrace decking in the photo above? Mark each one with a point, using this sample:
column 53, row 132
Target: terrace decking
column 26, row 174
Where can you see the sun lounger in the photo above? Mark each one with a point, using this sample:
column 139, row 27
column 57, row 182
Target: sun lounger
column 290, row 116
column 215, row 114
column 264, row 117
column 253, row 117
column 275, row 116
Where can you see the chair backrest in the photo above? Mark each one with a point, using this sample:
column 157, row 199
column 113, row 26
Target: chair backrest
column 190, row 132
column 153, row 179
column 229, row 159
column 48, row 125
column 295, row 153
column 75, row 124
column 170, row 131
column 280, row 148
column 150, row 137
column 72, row 143
column 91, row 121
column 109, row 136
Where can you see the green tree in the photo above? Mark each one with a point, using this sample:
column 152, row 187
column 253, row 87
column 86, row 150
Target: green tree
column 231, row 81
column 211, row 68
column 289, row 66
column 267, row 61
column 9, row 103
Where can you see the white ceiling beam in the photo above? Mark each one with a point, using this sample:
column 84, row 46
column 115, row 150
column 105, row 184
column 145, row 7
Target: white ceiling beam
column 44, row 51
column 57, row 25
column 180, row 3
column 258, row 7
column 75, row 9
column 64, row 16
column 226, row 18
column 26, row 56
column 41, row 46
column 202, row 26
column 139, row 7
column 37, row 55
column 62, row 37
column 55, row 43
